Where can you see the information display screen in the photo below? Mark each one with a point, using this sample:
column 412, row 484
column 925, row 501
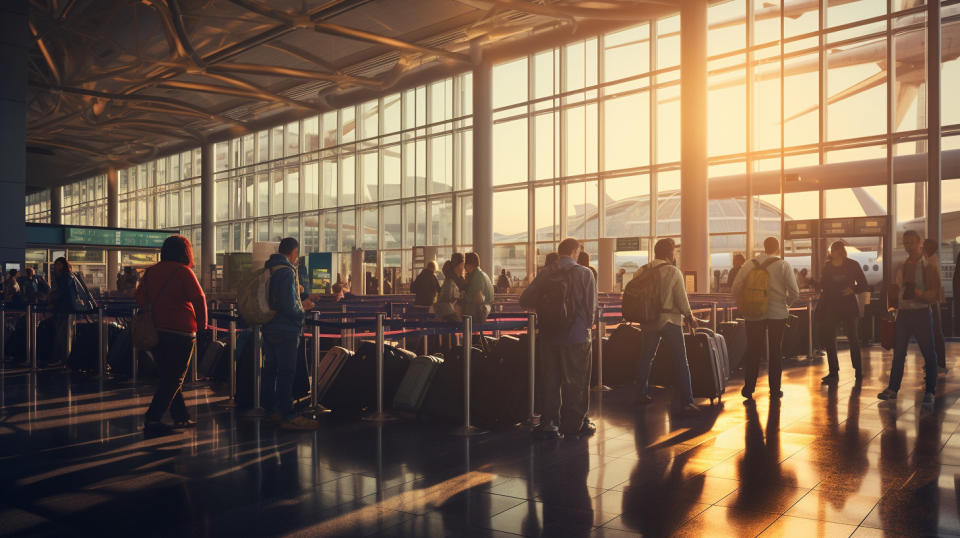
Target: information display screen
column 114, row 238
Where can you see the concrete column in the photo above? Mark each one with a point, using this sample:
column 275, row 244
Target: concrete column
column 483, row 164
column 207, row 240
column 13, row 129
column 113, row 221
column 694, row 232
column 933, row 121
column 56, row 205
column 606, row 264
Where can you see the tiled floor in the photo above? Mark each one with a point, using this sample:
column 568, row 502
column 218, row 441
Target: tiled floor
column 824, row 462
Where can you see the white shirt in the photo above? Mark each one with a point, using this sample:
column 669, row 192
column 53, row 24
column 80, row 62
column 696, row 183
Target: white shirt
column 783, row 290
column 673, row 295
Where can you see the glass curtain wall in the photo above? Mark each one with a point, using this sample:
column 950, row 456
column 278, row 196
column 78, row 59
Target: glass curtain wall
column 38, row 206
column 85, row 202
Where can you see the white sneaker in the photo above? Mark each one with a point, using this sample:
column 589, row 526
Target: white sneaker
column 928, row 398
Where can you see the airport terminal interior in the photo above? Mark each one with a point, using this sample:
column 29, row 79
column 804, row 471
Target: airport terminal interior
column 388, row 135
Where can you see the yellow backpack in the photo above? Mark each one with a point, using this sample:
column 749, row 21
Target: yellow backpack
column 755, row 295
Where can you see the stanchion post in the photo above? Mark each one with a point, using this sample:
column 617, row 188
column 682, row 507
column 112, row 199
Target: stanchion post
column 257, row 410
column 601, row 328
column 532, row 418
column 809, row 328
column 3, row 337
column 133, row 358
column 31, row 340
column 467, row 428
column 315, row 406
column 380, row 415
column 713, row 317
column 233, row 356
column 101, row 349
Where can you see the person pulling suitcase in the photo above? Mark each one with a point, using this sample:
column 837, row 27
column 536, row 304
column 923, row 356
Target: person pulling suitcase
column 765, row 288
column 657, row 300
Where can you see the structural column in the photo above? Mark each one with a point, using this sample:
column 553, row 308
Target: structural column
column 207, row 241
column 933, row 121
column 694, row 212
column 113, row 221
column 483, row 164
column 56, row 205
column 13, row 130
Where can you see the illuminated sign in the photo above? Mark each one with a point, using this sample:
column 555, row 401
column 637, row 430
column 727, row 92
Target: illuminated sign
column 114, row 238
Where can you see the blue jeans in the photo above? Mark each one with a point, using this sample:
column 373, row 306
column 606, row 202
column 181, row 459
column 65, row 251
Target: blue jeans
column 672, row 336
column 279, row 366
column 918, row 324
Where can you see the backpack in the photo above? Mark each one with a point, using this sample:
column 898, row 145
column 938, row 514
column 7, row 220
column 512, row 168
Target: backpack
column 641, row 296
column 81, row 302
column 755, row 295
column 554, row 305
column 253, row 297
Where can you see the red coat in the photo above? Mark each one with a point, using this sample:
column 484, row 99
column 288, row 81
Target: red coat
column 179, row 305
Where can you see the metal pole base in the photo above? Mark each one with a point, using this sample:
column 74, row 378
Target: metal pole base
column 468, row 431
column 600, row 388
column 256, row 412
column 380, row 417
column 528, row 425
column 317, row 410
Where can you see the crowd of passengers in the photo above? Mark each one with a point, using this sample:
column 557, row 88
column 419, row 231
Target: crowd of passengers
column 564, row 293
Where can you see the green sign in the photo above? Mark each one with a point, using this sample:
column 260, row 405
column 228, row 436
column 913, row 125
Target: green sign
column 321, row 267
column 114, row 238
column 369, row 256
column 628, row 244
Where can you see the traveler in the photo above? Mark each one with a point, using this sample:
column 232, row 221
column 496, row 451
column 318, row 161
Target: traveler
column 447, row 307
column 171, row 290
column 127, row 281
column 458, row 270
column 61, row 305
column 930, row 249
column 565, row 297
column 666, row 283
column 738, row 261
column 33, row 287
column 281, row 339
column 917, row 287
column 764, row 290
column 620, row 274
column 426, row 286
column 584, row 260
column 841, row 279
column 337, row 291
column 478, row 296
column 503, row 282
column 11, row 288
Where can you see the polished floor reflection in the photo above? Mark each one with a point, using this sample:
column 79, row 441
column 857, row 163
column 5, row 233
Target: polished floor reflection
column 824, row 462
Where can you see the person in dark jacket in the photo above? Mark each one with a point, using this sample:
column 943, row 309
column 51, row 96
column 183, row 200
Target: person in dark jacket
column 281, row 339
column 930, row 249
column 840, row 281
column 33, row 287
column 503, row 282
column 60, row 304
column 426, row 286
column 171, row 290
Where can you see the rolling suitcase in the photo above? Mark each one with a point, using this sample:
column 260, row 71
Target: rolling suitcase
column 620, row 355
column 330, row 366
column 413, row 388
column 707, row 368
column 735, row 334
column 83, row 352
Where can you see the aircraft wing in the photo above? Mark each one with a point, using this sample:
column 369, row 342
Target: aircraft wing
column 870, row 82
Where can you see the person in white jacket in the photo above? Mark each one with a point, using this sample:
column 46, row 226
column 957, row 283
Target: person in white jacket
column 782, row 292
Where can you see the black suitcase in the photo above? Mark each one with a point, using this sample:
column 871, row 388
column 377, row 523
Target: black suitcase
column 620, row 355
column 735, row 333
column 707, row 367
column 211, row 352
column 83, row 351
column 119, row 357
column 355, row 388
column 444, row 399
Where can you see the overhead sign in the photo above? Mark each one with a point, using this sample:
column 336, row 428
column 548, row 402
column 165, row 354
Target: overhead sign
column 369, row 256
column 799, row 229
column 321, row 268
column 114, row 238
column 870, row 226
column 836, row 227
column 628, row 244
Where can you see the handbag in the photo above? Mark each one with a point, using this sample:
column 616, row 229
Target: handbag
column 143, row 327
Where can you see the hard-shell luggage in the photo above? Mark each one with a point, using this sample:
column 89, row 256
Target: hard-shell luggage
column 210, row 353
column 355, row 389
column 735, row 334
column 119, row 357
column 511, row 386
column 707, row 367
column 85, row 347
column 620, row 355
column 413, row 388
column 330, row 366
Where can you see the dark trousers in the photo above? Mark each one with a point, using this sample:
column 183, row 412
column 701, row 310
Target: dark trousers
column 918, row 324
column 751, row 360
column 60, row 350
column 279, row 366
column 938, row 341
column 566, row 385
column 172, row 354
column 828, row 330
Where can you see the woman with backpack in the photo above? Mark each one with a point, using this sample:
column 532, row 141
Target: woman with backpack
column 840, row 281
column 170, row 291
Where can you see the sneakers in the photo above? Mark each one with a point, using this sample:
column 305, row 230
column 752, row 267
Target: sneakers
column 887, row 394
column 300, row 423
column 690, row 409
column 832, row 377
column 928, row 398
column 186, row 423
column 547, row 434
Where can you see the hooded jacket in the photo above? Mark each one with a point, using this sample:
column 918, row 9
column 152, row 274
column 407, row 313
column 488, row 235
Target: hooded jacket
column 284, row 297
